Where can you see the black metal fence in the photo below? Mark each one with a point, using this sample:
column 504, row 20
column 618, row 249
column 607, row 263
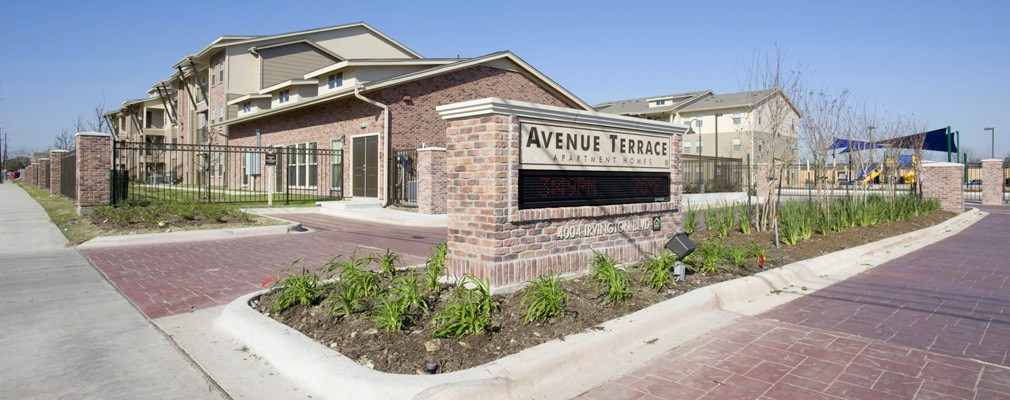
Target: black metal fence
column 1006, row 181
column 843, row 180
column 226, row 174
column 704, row 174
column 68, row 175
column 973, row 181
column 404, row 178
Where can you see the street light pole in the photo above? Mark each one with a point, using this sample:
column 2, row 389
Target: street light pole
column 992, row 150
column 718, row 172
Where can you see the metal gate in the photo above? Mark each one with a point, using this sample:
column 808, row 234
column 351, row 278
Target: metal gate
column 404, row 179
column 973, row 181
column 1006, row 181
column 226, row 174
column 68, row 175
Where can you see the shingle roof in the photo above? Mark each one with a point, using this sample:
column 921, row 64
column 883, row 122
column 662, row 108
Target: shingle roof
column 641, row 105
column 729, row 100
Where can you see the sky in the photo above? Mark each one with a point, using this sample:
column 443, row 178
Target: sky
column 945, row 62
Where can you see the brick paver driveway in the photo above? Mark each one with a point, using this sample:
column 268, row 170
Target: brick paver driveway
column 167, row 279
column 934, row 324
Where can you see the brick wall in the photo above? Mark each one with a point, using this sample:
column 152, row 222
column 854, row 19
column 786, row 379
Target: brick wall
column 55, row 165
column 488, row 235
column 94, row 159
column 992, row 182
column 431, row 180
column 412, row 123
column 943, row 181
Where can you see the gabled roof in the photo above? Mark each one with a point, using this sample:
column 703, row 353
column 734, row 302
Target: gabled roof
column 378, row 62
column 226, row 41
column 734, row 100
column 400, row 79
column 640, row 106
column 310, row 43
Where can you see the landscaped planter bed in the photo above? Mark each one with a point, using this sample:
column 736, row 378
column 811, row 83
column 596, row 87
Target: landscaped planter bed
column 408, row 351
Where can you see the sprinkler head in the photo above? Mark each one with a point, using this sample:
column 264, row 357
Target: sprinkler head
column 431, row 368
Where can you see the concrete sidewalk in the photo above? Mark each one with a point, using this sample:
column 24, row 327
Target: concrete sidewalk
column 932, row 324
column 67, row 333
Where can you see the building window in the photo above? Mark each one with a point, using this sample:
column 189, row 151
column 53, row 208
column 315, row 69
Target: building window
column 760, row 145
column 220, row 113
column 697, row 119
column 687, row 146
column 213, row 115
column 698, row 146
column 245, row 107
column 220, row 73
column 302, row 165
column 660, row 102
column 736, row 117
column 336, row 80
column 687, row 121
column 213, row 77
column 147, row 119
column 283, row 96
column 736, row 144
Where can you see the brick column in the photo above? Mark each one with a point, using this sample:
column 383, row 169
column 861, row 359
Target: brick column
column 94, row 160
column 431, row 180
column 992, row 182
column 30, row 172
column 944, row 181
column 55, row 165
column 43, row 172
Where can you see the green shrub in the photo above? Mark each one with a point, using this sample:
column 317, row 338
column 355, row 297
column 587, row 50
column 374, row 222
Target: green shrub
column 822, row 221
column 708, row 257
column 388, row 262
column 346, row 298
column 724, row 219
column 296, row 288
column 408, row 296
column 737, row 256
column 434, row 267
column 746, row 219
column 659, row 270
column 547, row 298
column 690, row 219
column 605, row 275
column 467, row 312
column 389, row 316
column 711, row 218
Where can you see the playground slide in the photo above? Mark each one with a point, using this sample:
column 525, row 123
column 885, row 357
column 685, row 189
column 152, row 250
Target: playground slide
column 873, row 175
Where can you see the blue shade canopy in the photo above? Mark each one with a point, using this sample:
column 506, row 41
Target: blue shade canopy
column 934, row 140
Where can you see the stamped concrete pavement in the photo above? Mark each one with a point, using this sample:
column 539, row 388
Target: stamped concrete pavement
column 167, row 279
column 66, row 332
column 934, row 324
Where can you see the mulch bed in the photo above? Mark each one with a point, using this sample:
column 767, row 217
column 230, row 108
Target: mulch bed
column 408, row 352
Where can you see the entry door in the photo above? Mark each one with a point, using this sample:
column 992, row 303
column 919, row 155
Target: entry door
column 365, row 156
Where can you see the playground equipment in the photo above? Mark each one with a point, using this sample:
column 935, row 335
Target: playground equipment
column 871, row 176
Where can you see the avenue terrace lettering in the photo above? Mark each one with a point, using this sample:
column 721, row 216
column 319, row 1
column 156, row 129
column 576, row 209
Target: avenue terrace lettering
column 549, row 146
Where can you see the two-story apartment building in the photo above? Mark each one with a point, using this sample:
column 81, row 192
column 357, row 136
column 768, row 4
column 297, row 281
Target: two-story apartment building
column 757, row 124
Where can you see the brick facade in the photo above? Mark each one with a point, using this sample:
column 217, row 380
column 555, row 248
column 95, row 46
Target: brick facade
column 413, row 122
column 94, row 159
column 943, row 181
column 431, row 180
column 55, row 165
column 992, row 182
column 489, row 237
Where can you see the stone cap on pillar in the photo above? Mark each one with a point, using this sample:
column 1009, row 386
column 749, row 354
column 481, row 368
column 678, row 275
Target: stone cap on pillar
column 432, row 149
column 993, row 160
column 93, row 134
column 57, row 151
column 942, row 164
column 499, row 106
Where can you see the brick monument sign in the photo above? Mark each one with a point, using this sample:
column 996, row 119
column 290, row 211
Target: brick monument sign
column 533, row 189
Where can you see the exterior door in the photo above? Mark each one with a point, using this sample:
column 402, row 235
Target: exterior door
column 365, row 156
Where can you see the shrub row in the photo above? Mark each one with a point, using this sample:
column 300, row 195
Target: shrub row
column 130, row 213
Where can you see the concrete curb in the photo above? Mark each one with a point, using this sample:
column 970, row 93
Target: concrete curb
column 188, row 236
column 545, row 371
column 420, row 220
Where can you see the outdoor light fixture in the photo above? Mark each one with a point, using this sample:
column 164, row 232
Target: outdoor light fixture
column 363, row 125
column 430, row 368
column 406, row 98
column 681, row 246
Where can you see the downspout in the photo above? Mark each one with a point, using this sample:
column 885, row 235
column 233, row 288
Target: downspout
column 385, row 139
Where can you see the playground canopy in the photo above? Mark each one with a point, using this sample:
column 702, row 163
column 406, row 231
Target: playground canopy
column 934, row 140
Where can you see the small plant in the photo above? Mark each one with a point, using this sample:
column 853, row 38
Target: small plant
column 390, row 316
column 725, row 217
column 605, row 275
column 467, row 312
column 547, row 298
column 708, row 257
column 361, row 279
column 737, row 256
column 353, row 263
column 434, row 267
column 408, row 296
column 746, row 219
column 759, row 252
column 711, row 218
column 388, row 262
column 822, row 221
column 296, row 288
column 346, row 299
column 659, row 270
column 690, row 219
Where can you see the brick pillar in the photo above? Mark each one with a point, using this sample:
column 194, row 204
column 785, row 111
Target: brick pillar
column 94, row 160
column 992, row 182
column 43, row 173
column 30, row 172
column 944, row 181
column 55, row 165
column 431, row 180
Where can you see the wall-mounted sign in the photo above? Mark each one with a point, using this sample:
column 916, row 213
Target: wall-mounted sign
column 553, row 188
column 603, row 228
column 270, row 158
column 574, row 147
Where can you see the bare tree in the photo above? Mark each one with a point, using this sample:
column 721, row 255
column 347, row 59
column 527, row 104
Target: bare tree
column 775, row 123
column 824, row 114
column 64, row 141
column 99, row 123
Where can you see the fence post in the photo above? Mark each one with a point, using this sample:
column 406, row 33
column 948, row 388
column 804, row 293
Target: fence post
column 94, row 161
column 55, row 167
column 431, row 180
column 992, row 182
column 944, row 181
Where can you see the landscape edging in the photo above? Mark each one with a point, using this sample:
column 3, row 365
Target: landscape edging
column 527, row 374
column 189, row 236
